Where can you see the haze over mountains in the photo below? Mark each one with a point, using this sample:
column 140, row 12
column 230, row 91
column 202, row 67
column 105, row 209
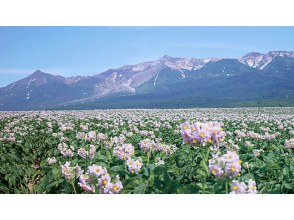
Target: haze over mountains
column 253, row 80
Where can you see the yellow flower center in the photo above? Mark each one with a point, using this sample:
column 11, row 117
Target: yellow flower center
column 233, row 169
column 240, row 161
column 220, row 129
column 213, row 171
column 230, row 157
column 214, row 132
column 202, row 134
column 132, row 171
column 114, row 188
column 185, row 127
column 235, row 188
column 239, row 174
column 104, row 182
column 97, row 170
column 193, row 129
column 194, row 140
column 209, row 140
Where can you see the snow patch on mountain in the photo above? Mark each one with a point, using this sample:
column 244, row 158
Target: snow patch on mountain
column 155, row 79
column 183, row 74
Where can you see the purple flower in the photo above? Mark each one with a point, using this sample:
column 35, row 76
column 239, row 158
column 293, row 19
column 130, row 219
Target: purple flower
column 104, row 180
column 146, row 145
column 82, row 152
column 134, row 166
column 51, row 161
column 233, row 168
column 86, row 187
column 78, row 170
column 252, row 187
column 195, row 128
column 69, row 153
column 186, row 132
column 96, row 170
column 124, row 152
column 228, row 162
column 289, row 143
column 114, row 188
column 67, row 171
column 84, row 179
column 203, row 133
column 237, row 187
column 215, row 170
column 231, row 156
column 92, row 151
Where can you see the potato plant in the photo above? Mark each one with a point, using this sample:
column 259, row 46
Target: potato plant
column 187, row 151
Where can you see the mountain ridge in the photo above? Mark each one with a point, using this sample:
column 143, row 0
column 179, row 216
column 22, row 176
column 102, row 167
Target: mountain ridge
column 164, row 76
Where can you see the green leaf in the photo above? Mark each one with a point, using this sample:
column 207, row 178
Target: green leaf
column 140, row 189
column 56, row 172
column 11, row 181
column 159, row 170
column 288, row 186
column 117, row 168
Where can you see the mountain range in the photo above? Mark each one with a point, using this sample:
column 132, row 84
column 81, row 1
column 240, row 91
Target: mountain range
column 255, row 79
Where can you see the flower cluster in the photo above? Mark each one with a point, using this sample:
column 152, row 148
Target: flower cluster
column 90, row 136
column 70, row 172
column 248, row 144
column 51, row 161
column 254, row 135
column 203, row 133
column 242, row 188
column 101, row 137
column 134, row 166
column 166, row 149
column 66, row 126
column 159, row 161
column 82, row 152
column 228, row 164
column 124, row 152
column 84, row 127
column 65, row 150
column 85, row 183
column 97, row 176
column 148, row 145
column 115, row 141
column 289, row 143
column 87, row 154
column 257, row 152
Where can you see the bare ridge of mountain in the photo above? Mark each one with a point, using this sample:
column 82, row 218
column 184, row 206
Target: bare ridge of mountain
column 260, row 61
column 254, row 79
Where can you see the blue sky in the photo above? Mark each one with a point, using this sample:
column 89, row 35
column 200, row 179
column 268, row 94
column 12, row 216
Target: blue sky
column 70, row 51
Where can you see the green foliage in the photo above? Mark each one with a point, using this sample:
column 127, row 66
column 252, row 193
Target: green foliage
column 24, row 167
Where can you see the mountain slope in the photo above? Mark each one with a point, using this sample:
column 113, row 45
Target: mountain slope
column 234, row 85
column 166, row 82
column 39, row 89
